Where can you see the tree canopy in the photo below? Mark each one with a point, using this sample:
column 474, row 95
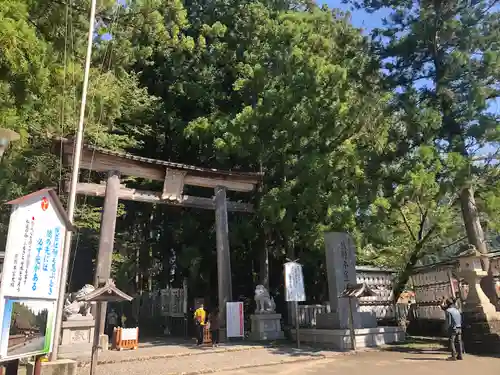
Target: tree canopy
column 390, row 137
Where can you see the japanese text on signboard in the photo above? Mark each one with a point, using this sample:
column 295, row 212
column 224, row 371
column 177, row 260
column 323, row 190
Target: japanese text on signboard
column 294, row 282
column 21, row 261
column 47, row 248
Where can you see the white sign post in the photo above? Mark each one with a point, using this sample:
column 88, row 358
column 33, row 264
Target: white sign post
column 235, row 319
column 31, row 275
column 294, row 290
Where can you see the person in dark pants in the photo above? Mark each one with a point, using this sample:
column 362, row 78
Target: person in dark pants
column 214, row 321
column 112, row 322
column 454, row 323
column 200, row 317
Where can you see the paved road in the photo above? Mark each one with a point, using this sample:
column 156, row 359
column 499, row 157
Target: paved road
column 30, row 346
column 381, row 363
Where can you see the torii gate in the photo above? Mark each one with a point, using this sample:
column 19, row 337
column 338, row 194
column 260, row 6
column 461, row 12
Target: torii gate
column 174, row 177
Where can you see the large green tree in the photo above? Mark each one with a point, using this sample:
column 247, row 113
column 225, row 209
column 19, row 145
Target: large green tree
column 259, row 86
column 41, row 72
column 443, row 58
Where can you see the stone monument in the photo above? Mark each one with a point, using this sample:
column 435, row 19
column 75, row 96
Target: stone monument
column 78, row 323
column 341, row 270
column 266, row 324
column 333, row 328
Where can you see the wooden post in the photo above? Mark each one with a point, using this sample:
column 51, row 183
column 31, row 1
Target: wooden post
column 12, row 367
column 452, row 286
column 96, row 340
column 297, row 323
column 107, row 239
column 223, row 255
column 38, row 365
column 351, row 325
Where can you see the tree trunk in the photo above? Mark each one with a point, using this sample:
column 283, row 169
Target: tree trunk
column 264, row 267
column 472, row 223
column 404, row 276
column 475, row 236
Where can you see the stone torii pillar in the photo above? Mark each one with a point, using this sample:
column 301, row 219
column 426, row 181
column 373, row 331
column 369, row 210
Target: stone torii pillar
column 225, row 290
column 107, row 240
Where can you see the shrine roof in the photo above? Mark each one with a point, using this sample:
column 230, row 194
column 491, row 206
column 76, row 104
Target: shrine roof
column 357, row 290
column 106, row 293
column 251, row 177
column 374, row 269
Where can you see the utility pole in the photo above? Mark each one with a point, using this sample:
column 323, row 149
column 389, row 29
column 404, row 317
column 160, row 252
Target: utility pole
column 72, row 192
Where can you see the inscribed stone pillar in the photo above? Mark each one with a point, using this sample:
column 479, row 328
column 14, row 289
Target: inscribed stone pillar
column 107, row 236
column 223, row 255
column 341, row 269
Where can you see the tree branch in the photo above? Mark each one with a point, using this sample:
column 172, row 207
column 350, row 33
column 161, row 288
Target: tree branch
column 423, row 219
column 407, row 225
column 454, row 242
column 422, row 242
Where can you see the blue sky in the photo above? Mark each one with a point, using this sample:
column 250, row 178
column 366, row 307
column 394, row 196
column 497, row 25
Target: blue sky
column 359, row 18
column 369, row 21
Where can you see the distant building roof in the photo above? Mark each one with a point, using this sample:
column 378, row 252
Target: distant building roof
column 373, row 269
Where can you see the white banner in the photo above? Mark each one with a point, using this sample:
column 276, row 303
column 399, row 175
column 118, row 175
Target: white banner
column 128, row 334
column 294, row 282
column 235, row 319
column 31, row 276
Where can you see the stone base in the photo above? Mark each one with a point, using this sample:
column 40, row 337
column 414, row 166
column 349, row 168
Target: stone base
column 77, row 336
column 340, row 339
column 266, row 327
column 59, row 367
column 479, row 334
column 334, row 320
column 103, row 342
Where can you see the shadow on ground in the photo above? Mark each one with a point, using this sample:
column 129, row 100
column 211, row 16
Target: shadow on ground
column 419, row 346
column 283, row 347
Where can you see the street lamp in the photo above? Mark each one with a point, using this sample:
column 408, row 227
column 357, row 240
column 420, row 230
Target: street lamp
column 6, row 136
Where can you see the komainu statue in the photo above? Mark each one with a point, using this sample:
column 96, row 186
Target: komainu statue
column 74, row 309
column 265, row 303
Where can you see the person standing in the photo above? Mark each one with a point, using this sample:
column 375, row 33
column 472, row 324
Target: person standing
column 112, row 323
column 214, row 321
column 454, row 325
column 200, row 317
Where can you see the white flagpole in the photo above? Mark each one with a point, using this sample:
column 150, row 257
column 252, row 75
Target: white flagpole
column 72, row 193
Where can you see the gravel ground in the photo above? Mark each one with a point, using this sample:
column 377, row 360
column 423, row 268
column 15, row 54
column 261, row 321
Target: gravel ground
column 214, row 362
column 146, row 352
column 382, row 363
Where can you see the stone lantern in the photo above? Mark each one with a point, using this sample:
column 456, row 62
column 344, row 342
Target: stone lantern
column 481, row 333
column 6, row 136
column 495, row 271
column 471, row 270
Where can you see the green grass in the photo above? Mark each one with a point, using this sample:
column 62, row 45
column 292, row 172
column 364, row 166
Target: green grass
column 417, row 344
